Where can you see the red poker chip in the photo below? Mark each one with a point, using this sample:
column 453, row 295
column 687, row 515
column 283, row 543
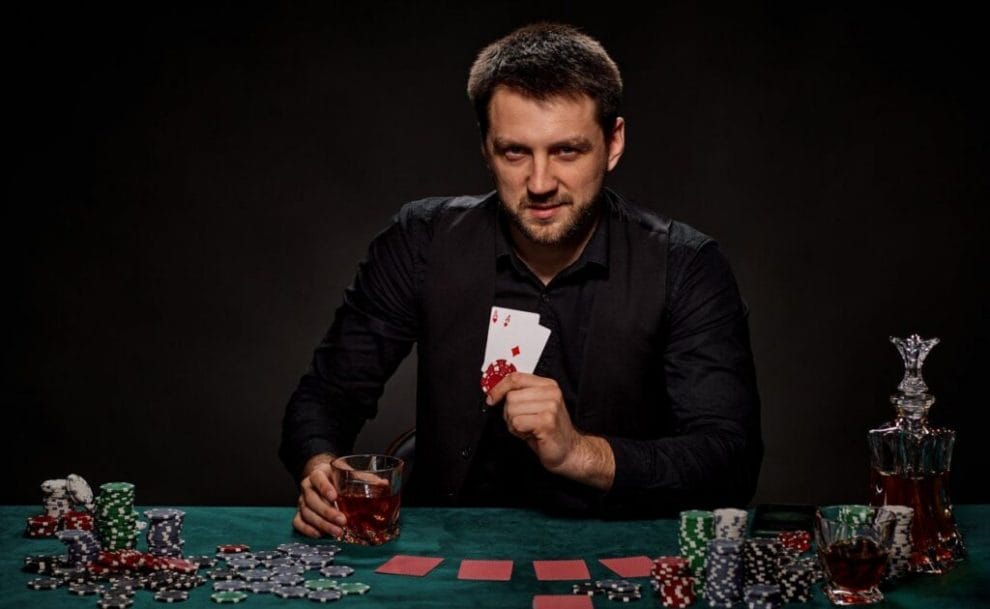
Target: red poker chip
column 233, row 548
column 180, row 565
column 495, row 372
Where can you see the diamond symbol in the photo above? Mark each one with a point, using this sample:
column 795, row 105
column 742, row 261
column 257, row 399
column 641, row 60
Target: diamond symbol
column 515, row 351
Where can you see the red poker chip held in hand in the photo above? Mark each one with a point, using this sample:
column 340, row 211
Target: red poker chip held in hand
column 495, row 372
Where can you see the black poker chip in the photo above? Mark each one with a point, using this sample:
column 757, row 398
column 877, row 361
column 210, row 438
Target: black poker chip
column 291, row 592
column 624, row 597
column 325, row 596
column 222, row 574
column 115, row 602
column 586, row 588
column 171, row 596
column 44, row 583
column 85, row 589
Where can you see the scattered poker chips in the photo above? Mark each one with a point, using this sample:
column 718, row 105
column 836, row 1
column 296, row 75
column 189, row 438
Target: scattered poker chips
column 164, row 533
column 228, row 597
column 291, row 592
column 171, row 596
column 44, row 583
column 325, row 596
column 116, row 520
column 730, row 523
column 348, row 588
column 723, row 572
column 902, row 545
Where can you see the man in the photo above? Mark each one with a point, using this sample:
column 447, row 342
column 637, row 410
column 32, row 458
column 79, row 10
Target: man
column 644, row 400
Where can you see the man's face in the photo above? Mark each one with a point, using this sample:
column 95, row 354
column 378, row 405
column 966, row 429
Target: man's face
column 549, row 160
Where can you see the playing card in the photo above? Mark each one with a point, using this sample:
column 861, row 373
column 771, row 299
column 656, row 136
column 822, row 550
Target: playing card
column 555, row 570
column 562, row 601
column 409, row 565
column 631, row 566
column 515, row 337
column 490, row 570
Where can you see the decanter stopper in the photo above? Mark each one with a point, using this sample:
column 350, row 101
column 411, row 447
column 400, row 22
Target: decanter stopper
column 913, row 350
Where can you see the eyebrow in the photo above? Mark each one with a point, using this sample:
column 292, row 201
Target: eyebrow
column 578, row 142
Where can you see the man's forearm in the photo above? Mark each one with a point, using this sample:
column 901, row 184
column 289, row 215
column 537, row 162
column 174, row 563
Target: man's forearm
column 591, row 462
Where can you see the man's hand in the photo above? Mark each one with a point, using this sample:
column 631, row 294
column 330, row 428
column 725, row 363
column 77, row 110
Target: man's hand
column 535, row 412
column 317, row 515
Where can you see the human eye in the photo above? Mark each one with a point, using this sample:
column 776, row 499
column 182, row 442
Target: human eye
column 568, row 152
column 513, row 153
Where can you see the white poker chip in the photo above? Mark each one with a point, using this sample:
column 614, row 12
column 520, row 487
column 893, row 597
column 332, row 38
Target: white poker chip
column 79, row 490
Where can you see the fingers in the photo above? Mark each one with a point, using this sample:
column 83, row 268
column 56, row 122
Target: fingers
column 321, row 482
column 513, row 381
column 317, row 515
column 316, row 522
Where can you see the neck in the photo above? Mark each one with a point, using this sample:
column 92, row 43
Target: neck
column 546, row 261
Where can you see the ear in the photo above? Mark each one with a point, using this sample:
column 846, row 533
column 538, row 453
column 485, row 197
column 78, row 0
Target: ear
column 617, row 143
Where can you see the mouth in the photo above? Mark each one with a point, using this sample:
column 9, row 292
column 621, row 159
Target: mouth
column 544, row 211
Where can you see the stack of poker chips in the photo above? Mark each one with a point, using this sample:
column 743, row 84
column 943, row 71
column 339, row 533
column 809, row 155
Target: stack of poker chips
column 730, row 523
column 116, row 520
column 82, row 546
column 82, row 521
column 677, row 592
column 41, row 526
column 165, row 532
column 697, row 528
column 723, row 572
column 762, row 596
column 56, row 500
column 760, row 556
column 902, row 546
column 794, row 542
column 795, row 578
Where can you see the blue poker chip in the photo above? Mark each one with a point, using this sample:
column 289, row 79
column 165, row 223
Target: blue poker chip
column 337, row 571
column 291, row 592
column 287, row 579
column 325, row 596
column 171, row 596
column 263, row 587
column 234, row 585
column 255, row 575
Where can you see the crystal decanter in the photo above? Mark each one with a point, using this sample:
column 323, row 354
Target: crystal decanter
column 910, row 464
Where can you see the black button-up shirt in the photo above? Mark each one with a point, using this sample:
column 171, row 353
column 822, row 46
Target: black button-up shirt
column 708, row 370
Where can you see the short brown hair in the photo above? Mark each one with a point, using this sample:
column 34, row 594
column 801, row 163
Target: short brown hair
column 544, row 60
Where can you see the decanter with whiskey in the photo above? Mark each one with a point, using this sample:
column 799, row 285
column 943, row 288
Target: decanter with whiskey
column 910, row 464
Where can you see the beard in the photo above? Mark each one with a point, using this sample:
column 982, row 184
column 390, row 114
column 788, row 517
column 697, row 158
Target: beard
column 572, row 230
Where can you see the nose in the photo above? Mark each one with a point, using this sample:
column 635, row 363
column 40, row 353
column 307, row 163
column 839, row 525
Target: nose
column 541, row 180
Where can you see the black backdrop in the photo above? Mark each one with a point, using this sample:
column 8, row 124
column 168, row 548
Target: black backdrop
column 192, row 188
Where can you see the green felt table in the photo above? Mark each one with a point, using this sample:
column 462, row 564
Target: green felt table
column 456, row 534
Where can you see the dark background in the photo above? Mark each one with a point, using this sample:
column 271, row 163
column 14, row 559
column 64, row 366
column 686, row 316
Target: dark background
column 191, row 189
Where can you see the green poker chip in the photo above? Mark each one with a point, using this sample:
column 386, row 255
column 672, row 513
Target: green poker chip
column 354, row 588
column 321, row 584
column 229, row 596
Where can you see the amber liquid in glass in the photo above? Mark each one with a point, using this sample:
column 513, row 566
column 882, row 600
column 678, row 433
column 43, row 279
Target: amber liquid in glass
column 371, row 519
column 855, row 564
column 933, row 530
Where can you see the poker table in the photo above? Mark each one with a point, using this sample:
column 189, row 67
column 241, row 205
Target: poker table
column 456, row 534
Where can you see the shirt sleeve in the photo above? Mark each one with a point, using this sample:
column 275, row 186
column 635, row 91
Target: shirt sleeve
column 713, row 456
column 373, row 330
